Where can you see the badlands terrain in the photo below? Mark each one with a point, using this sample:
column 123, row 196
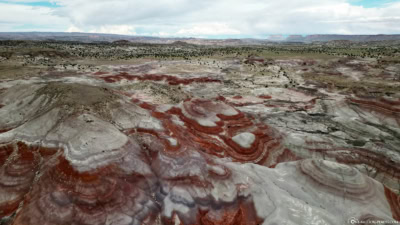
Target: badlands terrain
column 126, row 133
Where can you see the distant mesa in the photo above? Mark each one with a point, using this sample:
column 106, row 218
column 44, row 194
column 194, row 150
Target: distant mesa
column 179, row 43
column 121, row 42
column 277, row 37
column 295, row 38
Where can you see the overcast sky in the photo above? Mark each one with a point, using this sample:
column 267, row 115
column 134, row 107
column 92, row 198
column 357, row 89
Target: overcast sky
column 203, row 18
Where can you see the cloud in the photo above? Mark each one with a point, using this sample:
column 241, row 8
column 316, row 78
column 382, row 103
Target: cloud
column 257, row 18
column 21, row 1
column 115, row 29
column 207, row 29
column 73, row 29
column 22, row 17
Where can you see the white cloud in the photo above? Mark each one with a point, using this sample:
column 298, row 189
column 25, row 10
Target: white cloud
column 256, row 18
column 115, row 29
column 21, row 1
column 73, row 28
column 159, row 34
column 208, row 29
column 23, row 14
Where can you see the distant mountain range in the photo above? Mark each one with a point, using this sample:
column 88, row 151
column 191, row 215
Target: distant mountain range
column 330, row 37
column 93, row 38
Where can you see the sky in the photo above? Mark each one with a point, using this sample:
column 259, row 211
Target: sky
column 202, row 18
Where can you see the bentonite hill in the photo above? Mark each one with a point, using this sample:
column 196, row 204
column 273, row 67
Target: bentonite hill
column 127, row 133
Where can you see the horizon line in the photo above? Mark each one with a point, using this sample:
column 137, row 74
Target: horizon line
column 284, row 36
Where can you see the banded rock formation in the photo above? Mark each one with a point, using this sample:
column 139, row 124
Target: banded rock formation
column 90, row 152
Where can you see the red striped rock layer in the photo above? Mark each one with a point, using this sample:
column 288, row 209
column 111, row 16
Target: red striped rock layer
column 171, row 80
column 48, row 190
column 104, row 196
column 347, row 133
column 172, row 177
column 182, row 189
column 120, row 190
column 347, row 182
column 376, row 125
column 384, row 106
column 270, row 102
column 394, row 201
column 53, row 192
column 20, row 164
column 215, row 128
column 374, row 164
column 338, row 177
